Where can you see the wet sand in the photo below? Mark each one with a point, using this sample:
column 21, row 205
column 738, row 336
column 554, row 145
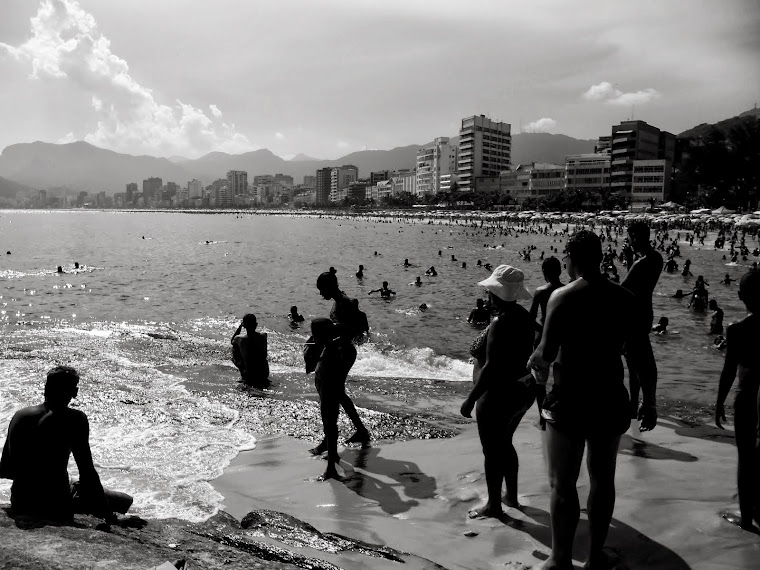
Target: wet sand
column 413, row 496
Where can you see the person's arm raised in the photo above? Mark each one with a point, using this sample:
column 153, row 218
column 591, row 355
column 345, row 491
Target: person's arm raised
column 237, row 332
column 727, row 375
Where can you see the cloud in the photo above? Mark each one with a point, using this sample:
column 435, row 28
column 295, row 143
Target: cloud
column 279, row 136
column 611, row 95
column 67, row 138
column 66, row 45
column 343, row 144
column 543, row 125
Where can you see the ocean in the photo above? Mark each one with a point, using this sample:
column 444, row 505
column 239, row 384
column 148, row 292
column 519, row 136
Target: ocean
column 159, row 294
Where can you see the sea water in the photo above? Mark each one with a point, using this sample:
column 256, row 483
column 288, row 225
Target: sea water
column 158, row 296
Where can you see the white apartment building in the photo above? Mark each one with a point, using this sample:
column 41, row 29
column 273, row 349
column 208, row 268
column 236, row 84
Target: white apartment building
column 534, row 180
column 485, row 148
column 650, row 181
column 340, row 178
column 194, row 189
column 588, row 172
column 435, row 161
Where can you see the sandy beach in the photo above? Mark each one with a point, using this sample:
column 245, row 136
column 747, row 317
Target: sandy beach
column 672, row 486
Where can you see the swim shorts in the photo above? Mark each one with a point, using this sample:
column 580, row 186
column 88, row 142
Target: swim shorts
column 603, row 413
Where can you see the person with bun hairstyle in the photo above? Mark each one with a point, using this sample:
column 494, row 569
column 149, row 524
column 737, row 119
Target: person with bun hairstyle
column 344, row 315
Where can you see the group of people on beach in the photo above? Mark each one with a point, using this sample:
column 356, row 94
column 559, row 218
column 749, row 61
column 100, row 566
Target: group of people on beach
column 585, row 405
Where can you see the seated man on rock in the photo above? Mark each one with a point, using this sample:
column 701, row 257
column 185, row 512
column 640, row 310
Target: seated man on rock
column 36, row 454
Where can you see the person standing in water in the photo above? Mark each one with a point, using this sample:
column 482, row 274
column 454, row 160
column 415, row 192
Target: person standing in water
column 552, row 270
column 588, row 403
column 641, row 280
column 742, row 359
column 479, row 315
column 384, row 291
column 249, row 353
column 344, row 315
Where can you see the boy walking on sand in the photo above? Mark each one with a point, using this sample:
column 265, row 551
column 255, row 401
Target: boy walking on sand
column 742, row 359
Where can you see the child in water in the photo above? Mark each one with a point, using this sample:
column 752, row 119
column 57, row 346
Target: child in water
column 662, row 326
column 323, row 356
column 742, row 360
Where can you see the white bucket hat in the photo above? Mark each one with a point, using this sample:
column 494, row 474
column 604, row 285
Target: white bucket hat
column 506, row 282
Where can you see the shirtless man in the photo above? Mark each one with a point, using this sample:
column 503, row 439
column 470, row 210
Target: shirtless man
column 641, row 280
column 552, row 269
column 742, row 360
column 36, row 455
column 384, row 291
column 249, row 353
column 588, row 401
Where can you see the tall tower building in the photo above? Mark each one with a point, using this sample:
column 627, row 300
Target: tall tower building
column 340, row 178
column 194, row 189
column 485, row 148
column 131, row 193
column 434, row 161
column 634, row 141
column 237, row 182
column 323, row 180
column 152, row 189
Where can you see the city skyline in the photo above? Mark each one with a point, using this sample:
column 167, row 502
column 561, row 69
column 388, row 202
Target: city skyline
column 332, row 78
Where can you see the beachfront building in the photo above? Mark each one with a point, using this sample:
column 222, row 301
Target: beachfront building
column 633, row 141
column 379, row 176
column 404, row 182
column 194, row 189
column 588, row 173
column 309, row 181
column 448, row 182
column 237, row 181
column 433, row 161
column 151, row 189
column 485, row 148
column 305, row 196
column 650, row 182
column 340, row 178
column 322, row 184
column 131, row 194
column 603, row 145
column 535, row 180
column 283, row 180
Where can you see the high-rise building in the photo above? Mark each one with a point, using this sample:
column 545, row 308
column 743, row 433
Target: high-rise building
column 340, row 178
column 194, row 189
column 131, row 193
column 309, row 181
column 632, row 141
column 435, row 161
column 534, row 180
column 284, row 180
column 485, row 148
column 237, row 182
column 379, row 176
column 323, row 184
column 152, row 189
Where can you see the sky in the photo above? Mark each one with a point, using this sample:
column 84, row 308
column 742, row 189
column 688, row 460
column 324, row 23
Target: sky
column 329, row 77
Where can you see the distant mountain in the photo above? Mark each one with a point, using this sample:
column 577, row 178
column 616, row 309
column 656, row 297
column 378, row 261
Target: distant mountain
column 82, row 166
column 725, row 125
column 546, row 147
column 11, row 189
column 177, row 159
column 300, row 157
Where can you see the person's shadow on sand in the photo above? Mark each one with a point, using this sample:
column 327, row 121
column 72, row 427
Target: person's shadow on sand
column 649, row 450
column 416, row 485
column 632, row 548
column 26, row 522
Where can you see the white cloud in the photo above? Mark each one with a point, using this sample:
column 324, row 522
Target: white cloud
column 279, row 136
column 66, row 44
column 543, row 125
column 343, row 144
column 67, row 138
column 611, row 95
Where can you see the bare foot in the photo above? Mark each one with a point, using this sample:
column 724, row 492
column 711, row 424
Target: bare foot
column 512, row 503
column 329, row 474
column 486, row 511
column 736, row 519
column 320, row 449
column 551, row 564
column 605, row 560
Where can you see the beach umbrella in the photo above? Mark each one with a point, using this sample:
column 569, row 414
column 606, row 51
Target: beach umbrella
column 701, row 211
column 722, row 211
column 670, row 205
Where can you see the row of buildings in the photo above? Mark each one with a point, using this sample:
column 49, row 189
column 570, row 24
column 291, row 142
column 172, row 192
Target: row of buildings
column 635, row 160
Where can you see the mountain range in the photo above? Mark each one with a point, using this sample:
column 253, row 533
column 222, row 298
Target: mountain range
column 77, row 166
column 82, row 166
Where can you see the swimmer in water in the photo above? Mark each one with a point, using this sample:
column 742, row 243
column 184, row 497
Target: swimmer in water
column 464, row 265
column 742, row 360
column 60, row 269
column 294, row 316
column 249, row 353
column 679, row 294
column 479, row 315
column 431, row 272
column 716, row 321
column 417, row 282
column 384, row 291
column 727, row 280
column 423, row 307
column 662, row 326
column 360, row 273
column 406, row 263
column 453, row 258
column 76, row 265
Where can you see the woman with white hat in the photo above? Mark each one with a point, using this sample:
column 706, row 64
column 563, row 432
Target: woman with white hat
column 503, row 390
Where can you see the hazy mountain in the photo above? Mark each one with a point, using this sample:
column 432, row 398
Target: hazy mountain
column 10, row 189
column 724, row 125
column 82, row 166
column 300, row 157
